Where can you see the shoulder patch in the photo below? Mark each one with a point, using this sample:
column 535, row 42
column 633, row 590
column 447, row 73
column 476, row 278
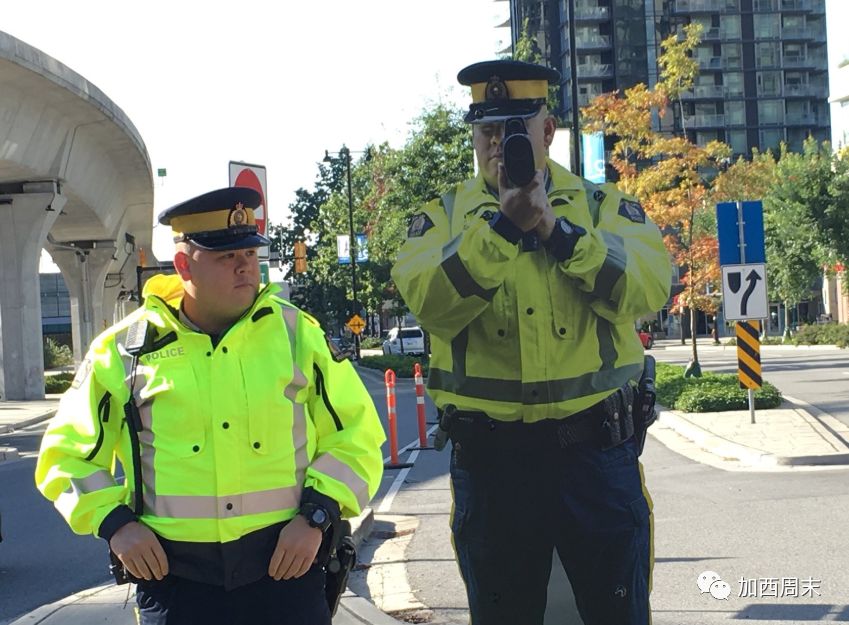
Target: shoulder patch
column 82, row 373
column 631, row 209
column 419, row 224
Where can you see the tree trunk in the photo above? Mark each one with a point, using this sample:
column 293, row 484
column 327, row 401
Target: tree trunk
column 681, row 319
column 786, row 321
column 693, row 313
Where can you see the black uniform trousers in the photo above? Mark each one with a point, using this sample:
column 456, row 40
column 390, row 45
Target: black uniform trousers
column 179, row 601
column 518, row 497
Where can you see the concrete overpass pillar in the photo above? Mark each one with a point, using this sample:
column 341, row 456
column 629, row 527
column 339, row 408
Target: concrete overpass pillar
column 27, row 212
column 84, row 271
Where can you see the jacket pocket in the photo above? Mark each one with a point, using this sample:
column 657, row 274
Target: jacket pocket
column 170, row 411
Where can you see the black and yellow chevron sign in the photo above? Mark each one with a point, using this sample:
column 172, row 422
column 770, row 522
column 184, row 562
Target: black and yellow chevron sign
column 749, row 354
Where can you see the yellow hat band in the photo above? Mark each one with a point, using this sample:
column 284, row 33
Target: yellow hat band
column 212, row 221
column 516, row 90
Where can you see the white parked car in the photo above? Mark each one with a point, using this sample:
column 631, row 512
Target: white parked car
column 412, row 337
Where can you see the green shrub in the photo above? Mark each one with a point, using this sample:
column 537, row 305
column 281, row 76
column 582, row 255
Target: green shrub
column 56, row 354
column 713, row 392
column 58, row 383
column 371, row 342
column 824, row 334
column 401, row 365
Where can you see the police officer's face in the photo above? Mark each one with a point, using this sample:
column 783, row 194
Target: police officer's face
column 487, row 139
column 223, row 284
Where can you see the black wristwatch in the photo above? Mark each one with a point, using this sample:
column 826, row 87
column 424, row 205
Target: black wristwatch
column 563, row 239
column 316, row 516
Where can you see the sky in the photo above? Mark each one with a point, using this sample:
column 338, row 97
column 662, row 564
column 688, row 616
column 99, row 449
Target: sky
column 271, row 83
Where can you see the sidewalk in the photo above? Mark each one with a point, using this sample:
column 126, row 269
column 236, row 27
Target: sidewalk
column 15, row 415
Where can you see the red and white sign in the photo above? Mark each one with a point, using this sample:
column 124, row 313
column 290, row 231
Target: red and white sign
column 253, row 177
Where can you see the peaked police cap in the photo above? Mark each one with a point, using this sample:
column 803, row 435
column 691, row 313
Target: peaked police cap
column 504, row 89
column 219, row 220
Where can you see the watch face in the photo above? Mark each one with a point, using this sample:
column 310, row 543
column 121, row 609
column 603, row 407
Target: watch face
column 319, row 516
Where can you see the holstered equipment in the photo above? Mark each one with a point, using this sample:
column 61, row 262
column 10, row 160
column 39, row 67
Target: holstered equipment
column 342, row 556
column 645, row 413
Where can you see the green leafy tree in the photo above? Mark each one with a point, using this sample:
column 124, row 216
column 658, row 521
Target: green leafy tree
column 388, row 186
column 802, row 225
column 670, row 175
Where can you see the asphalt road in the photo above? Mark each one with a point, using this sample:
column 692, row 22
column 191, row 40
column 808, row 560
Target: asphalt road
column 41, row 560
column 818, row 377
column 757, row 526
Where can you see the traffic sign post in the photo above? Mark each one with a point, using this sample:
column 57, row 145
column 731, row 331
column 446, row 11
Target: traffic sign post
column 742, row 255
column 356, row 324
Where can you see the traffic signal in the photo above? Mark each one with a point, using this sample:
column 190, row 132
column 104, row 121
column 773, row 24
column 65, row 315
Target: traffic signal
column 300, row 257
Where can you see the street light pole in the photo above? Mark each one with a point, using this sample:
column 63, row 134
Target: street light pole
column 352, row 247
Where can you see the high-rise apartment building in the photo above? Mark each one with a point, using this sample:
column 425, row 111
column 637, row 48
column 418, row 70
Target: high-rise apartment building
column 763, row 65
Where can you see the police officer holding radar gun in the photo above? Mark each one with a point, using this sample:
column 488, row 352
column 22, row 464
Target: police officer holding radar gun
column 245, row 441
column 529, row 280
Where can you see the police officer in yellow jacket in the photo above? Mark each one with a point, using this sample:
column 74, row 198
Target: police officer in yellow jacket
column 530, row 293
column 248, row 439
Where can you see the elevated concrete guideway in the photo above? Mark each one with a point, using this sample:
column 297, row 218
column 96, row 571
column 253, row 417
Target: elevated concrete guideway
column 75, row 179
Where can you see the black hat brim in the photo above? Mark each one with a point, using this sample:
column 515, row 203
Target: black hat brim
column 229, row 242
column 489, row 112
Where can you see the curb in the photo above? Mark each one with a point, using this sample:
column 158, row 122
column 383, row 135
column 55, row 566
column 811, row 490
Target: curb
column 358, row 608
column 8, row 454
column 725, row 449
column 41, row 614
column 5, row 429
column 723, row 347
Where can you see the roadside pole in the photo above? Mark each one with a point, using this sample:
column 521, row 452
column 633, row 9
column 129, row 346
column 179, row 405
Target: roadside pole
column 742, row 259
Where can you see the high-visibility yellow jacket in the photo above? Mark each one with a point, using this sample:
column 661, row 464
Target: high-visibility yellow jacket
column 232, row 433
column 515, row 333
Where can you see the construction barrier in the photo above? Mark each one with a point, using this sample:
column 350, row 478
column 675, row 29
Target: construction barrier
column 420, row 405
column 392, row 417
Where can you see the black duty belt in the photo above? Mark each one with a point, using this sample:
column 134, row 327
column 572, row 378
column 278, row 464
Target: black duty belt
column 606, row 424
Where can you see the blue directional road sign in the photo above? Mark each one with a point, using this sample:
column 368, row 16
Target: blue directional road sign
column 728, row 228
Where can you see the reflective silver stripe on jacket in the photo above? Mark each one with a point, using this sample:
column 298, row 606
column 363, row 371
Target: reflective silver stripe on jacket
column 531, row 393
column 79, row 486
column 338, row 470
column 224, row 506
column 299, row 415
column 613, row 267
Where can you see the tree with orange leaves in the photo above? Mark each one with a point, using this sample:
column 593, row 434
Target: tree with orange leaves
column 671, row 176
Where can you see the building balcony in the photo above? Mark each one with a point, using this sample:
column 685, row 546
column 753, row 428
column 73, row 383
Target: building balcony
column 767, row 63
column 595, row 42
column 720, row 34
column 806, row 119
column 805, row 91
column 788, row 6
column 801, row 6
column 715, row 63
column 585, row 13
column 595, row 70
column 802, row 33
column 705, row 121
column 705, row 92
column 804, row 62
column 705, row 6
